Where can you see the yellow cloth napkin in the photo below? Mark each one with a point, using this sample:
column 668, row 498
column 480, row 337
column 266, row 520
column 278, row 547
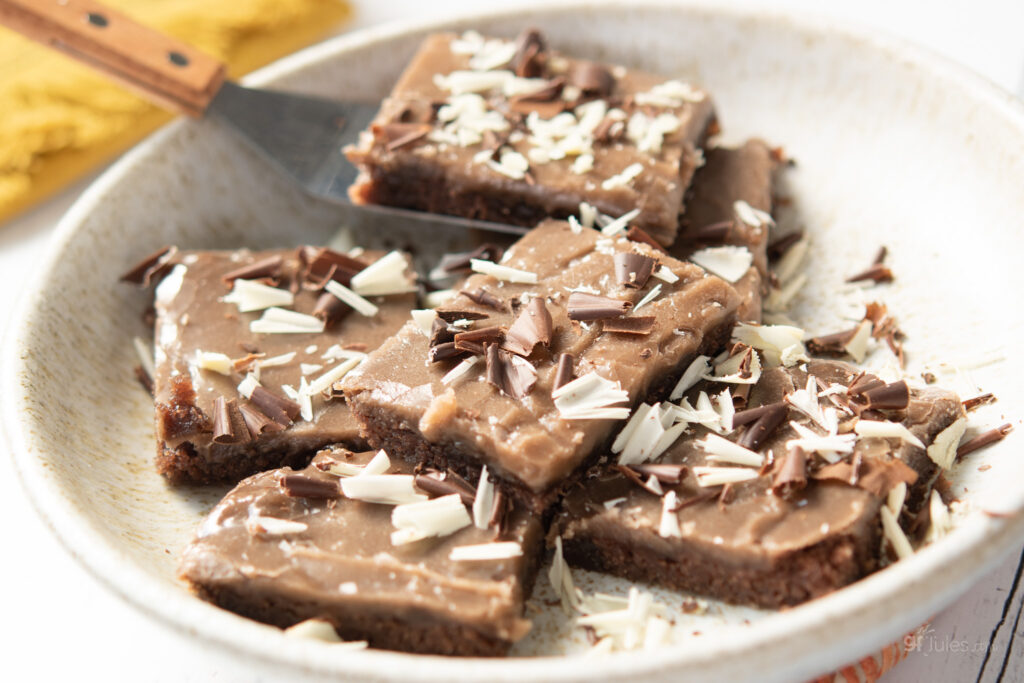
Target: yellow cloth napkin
column 59, row 119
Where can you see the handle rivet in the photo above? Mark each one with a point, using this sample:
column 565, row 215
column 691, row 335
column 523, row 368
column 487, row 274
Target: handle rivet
column 177, row 58
column 97, row 19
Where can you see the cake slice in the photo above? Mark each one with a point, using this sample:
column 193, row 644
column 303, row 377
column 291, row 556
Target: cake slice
column 285, row 546
column 728, row 210
column 775, row 510
column 248, row 348
column 532, row 366
column 513, row 132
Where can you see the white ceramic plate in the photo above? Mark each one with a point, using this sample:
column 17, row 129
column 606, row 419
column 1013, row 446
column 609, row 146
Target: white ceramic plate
column 894, row 147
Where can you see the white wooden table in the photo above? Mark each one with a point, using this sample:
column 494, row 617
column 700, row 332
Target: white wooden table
column 61, row 623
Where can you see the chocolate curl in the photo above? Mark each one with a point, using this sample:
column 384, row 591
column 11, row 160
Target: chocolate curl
column 326, row 264
column 450, row 315
column 635, row 234
column 149, row 268
column 462, row 261
column 441, row 332
column 302, row 486
column 228, row 424
column 564, row 373
column 666, row 473
column 877, row 273
column 765, row 425
column 443, row 351
column 978, row 401
column 396, row 135
column 528, row 61
column 591, row 78
column 281, row 410
column 475, row 340
column 499, row 512
column 984, row 439
column 862, row 383
column 694, row 500
column 791, row 477
column 484, row 298
column 780, row 246
column 712, row 232
column 533, row 326
column 256, row 422
column 268, row 267
column 831, row 344
column 583, row 306
column 330, row 309
column 510, row 374
column 437, row 483
column 634, row 477
column 893, row 396
column 632, row 269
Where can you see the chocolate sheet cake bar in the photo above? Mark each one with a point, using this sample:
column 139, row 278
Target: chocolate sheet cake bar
column 248, row 347
column 765, row 506
column 512, row 132
column 287, row 546
column 533, row 365
column 729, row 209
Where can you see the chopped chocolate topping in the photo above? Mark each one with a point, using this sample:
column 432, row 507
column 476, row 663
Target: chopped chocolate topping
column 791, row 477
column 441, row 332
column 475, row 340
column 875, row 475
column 978, row 401
column 636, row 234
column 778, row 247
column 564, row 372
column 583, row 306
column 257, row 422
column 510, row 374
column 398, row 135
column 330, row 308
column 753, row 414
column 632, row 269
column 591, row 78
column 228, row 424
column 762, row 428
column 149, row 268
column 831, row 344
column 637, row 324
column 301, row 486
column 484, row 298
column 445, row 351
column 667, row 473
column 452, row 315
column 528, row 61
column 893, row 396
column 460, row 262
column 862, row 383
column 268, row 267
column 876, row 273
column 984, row 439
column 438, row 483
column 533, row 326
column 279, row 409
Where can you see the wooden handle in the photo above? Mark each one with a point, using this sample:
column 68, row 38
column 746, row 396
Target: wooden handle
column 166, row 71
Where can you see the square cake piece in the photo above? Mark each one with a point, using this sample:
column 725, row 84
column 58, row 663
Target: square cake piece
column 512, row 132
column 490, row 380
column 728, row 210
column 248, row 347
column 284, row 547
column 771, row 506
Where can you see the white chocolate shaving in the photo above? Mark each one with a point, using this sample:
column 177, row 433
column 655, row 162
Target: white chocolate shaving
column 885, row 429
column 672, row 93
column 648, row 297
column 502, row 550
column 589, row 398
column 717, row 476
column 460, row 371
column 248, row 385
column 668, row 526
column 144, row 352
column 665, row 275
column 252, row 295
column 619, row 224
column 438, row 517
column 723, row 450
column 896, row 497
column 357, row 302
column 727, row 262
column 424, row 319
column 327, row 380
column 942, row 451
column 755, row 218
column 273, row 526
column 693, row 373
column 941, row 521
column 728, row 371
column 277, row 361
column 384, row 276
column 894, row 534
column 438, row 298
column 314, row 629
column 387, row 489
column 483, row 501
column 623, row 178
column 857, row 347
column 561, row 579
column 170, row 286
column 503, row 272
column 282, row 321
column 379, row 464
column 215, row 362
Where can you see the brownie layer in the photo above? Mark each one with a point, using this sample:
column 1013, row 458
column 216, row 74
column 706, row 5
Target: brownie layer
column 339, row 564
column 469, row 134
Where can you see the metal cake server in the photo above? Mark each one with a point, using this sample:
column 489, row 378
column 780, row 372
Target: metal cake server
column 302, row 137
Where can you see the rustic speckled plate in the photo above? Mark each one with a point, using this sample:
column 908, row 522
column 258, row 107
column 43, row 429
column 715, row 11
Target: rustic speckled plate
column 893, row 145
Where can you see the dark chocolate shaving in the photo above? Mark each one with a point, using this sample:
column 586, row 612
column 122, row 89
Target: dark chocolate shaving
column 510, row 374
column 441, row 332
column 326, row 264
column 753, row 414
column 609, row 129
column 880, row 256
column 636, row 234
column 528, row 61
column 791, row 476
column 831, row 344
column 277, row 408
column 228, row 424
column 637, row 324
column 437, row 483
column 460, row 262
column 984, row 439
column 875, row 475
column 666, row 473
column 483, row 335
column 451, row 315
column 545, row 109
column 778, row 247
column 632, row 269
column 635, row 477
column 533, row 326
column 549, row 91
column 151, row 268
column 481, row 296
column 762, row 428
column 144, row 379
column 499, row 512
column 583, row 306
column 443, row 351
column 712, row 232
column 330, row 309
column 862, row 383
column 694, row 500
column 978, row 401
column 876, row 273
column 268, row 267
column 302, row 486
column 591, row 78
column 397, row 135
column 564, row 372
column 256, row 422
column 892, row 396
